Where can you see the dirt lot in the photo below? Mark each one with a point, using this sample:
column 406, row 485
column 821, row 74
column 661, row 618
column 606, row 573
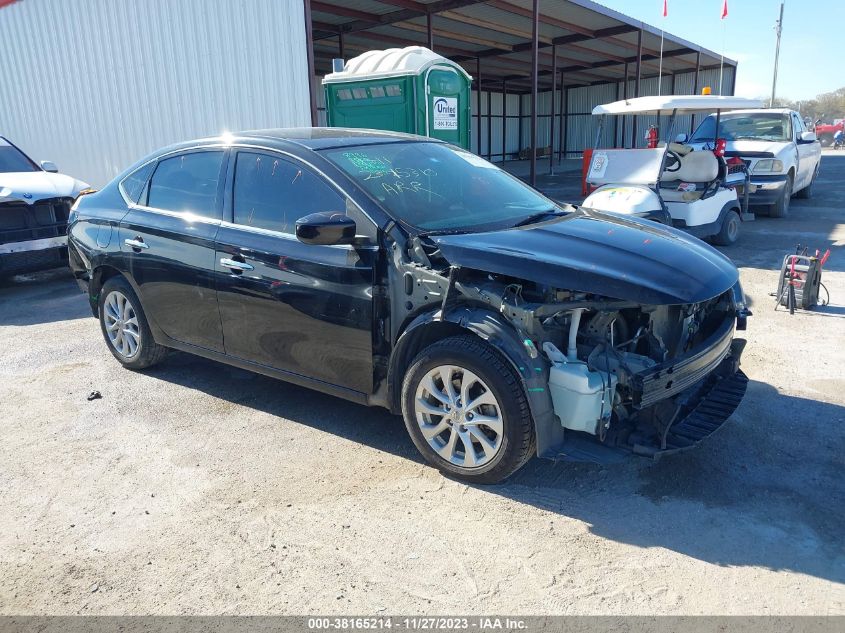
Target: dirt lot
column 199, row 489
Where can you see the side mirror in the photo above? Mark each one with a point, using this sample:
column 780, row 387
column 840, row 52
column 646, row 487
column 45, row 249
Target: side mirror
column 48, row 165
column 681, row 138
column 807, row 137
column 326, row 228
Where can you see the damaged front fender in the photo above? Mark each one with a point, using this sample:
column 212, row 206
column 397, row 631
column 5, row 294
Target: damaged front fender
column 519, row 351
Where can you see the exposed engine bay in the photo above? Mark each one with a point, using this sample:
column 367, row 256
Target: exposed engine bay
column 619, row 371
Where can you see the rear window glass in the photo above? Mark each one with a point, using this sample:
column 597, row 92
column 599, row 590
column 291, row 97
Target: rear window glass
column 187, row 183
column 133, row 185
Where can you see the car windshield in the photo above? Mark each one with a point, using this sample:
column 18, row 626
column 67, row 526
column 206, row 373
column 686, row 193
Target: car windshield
column 762, row 126
column 12, row 159
column 436, row 188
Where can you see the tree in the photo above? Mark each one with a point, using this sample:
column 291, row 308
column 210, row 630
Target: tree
column 826, row 106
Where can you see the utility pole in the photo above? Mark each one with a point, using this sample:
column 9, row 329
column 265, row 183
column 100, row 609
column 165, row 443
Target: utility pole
column 778, row 29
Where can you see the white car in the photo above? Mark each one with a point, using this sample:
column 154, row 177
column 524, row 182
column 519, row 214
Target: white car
column 782, row 155
column 35, row 202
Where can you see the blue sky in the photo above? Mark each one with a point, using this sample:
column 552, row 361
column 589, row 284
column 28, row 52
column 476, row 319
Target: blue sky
column 812, row 54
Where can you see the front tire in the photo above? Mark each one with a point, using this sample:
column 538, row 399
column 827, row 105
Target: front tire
column 729, row 232
column 780, row 209
column 466, row 411
column 125, row 327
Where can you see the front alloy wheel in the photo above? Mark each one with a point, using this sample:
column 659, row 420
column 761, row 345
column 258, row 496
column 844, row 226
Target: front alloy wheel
column 466, row 410
column 459, row 416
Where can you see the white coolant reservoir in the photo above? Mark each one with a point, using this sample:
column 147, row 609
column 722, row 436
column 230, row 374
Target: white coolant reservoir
column 627, row 199
column 582, row 399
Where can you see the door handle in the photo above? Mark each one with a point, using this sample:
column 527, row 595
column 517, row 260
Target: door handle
column 137, row 243
column 235, row 265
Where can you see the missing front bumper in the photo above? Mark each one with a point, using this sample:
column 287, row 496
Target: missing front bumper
column 705, row 409
column 710, row 414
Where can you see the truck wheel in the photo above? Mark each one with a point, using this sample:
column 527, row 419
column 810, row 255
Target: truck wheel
column 466, row 411
column 729, row 232
column 125, row 326
column 780, row 209
column 807, row 192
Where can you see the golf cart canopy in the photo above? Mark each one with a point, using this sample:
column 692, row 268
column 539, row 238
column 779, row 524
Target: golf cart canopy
column 681, row 104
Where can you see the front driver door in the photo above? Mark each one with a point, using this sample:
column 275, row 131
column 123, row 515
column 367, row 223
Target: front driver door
column 294, row 307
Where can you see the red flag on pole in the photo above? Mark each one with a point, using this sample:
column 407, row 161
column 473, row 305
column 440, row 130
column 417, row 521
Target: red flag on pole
column 665, row 8
column 724, row 9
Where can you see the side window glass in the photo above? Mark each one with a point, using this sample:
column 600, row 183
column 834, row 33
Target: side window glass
column 188, row 183
column 133, row 185
column 273, row 193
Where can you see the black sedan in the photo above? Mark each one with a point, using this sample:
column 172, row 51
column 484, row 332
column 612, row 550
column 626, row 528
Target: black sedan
column 402, row 272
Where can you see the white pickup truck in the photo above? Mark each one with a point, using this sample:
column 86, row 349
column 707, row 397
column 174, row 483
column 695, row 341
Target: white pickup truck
column 782, row 155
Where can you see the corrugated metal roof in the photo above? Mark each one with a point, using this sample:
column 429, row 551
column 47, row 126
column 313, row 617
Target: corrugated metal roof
column 591, row 40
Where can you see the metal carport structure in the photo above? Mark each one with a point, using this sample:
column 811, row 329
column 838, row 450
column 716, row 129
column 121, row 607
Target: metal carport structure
column 539, row 64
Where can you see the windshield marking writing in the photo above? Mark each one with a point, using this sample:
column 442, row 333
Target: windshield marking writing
column 398, row 172
column 400, row 187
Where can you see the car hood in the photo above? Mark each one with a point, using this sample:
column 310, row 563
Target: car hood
column 600, row 253
column 752, row 148
column 31, row 186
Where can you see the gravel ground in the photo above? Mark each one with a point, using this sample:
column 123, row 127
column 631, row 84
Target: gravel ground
column 194, row 488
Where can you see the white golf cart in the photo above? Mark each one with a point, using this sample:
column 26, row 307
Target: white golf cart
column 668, row 182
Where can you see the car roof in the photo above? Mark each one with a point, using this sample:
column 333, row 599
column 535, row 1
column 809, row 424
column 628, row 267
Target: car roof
column 329, row 137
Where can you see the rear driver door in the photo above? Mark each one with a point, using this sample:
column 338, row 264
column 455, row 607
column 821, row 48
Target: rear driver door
column 168, row 242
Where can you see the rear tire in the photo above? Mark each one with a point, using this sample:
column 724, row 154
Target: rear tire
column 807, row 192
column 729, row 232
column 780, row 209
column 125, row 327
column 439, row 396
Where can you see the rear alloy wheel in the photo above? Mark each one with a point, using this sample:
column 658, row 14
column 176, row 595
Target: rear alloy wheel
column 466, row 410
column 125, row 327
column 729, row 232
column 780, row 209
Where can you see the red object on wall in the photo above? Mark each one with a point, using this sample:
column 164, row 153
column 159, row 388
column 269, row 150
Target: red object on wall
column 6, row 3
column 651, row 137
column 585, row 167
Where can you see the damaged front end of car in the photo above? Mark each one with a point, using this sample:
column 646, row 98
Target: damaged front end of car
column 650, row 369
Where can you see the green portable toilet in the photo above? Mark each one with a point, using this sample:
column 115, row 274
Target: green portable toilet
column 409, row 89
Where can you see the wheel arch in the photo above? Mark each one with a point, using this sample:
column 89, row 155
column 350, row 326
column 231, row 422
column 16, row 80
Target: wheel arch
column 99, row 276
column 492, row 328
